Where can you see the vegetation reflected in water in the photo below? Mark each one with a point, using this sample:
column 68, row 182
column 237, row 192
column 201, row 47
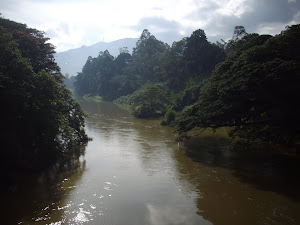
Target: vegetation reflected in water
column 241, row 187
column 32, row 197
column 134, row 173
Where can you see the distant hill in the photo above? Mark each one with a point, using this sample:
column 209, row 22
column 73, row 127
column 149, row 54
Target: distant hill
column 73, row 60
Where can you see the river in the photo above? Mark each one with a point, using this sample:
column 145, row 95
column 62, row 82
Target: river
column 134, row 173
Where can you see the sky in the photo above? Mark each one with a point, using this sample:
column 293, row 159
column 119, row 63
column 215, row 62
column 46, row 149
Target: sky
column 73, row 23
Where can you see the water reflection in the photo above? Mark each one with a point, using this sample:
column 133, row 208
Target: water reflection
column 140, row 154
column 205, row 187
column 240, row 187
column 166, row 214
column 33, row 200
column 132, row 174
column 265, row 170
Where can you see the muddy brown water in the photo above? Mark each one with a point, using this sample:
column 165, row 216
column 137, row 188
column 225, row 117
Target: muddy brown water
column 133, row 173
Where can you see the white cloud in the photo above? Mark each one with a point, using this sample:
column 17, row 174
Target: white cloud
column 232, row 8
column 64, row 35
column 73, row 23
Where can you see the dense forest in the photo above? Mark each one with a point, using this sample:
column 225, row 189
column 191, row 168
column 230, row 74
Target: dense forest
column 40, row 120
column 177, row 71
column 249, row 83
column 255, row 91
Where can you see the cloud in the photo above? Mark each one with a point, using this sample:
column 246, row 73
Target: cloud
column 219, row 17
column 157, row 23
column 163, row 29
column 64, row 35
column 265, row 12
column 62, row 28
column 72, row 24
column 157, row 8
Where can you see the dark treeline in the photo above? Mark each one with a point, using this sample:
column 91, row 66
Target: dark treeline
column 176, row 70
column 249, row 83
column 40, row 121
column 255, row 91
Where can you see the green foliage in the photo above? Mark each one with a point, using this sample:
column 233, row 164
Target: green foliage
column 188, row 96
column 178, row 69
column 239, row 39
column 112, row 78
column 149, row 102
column 192, row 58
column 200, row 56
column 147, row 56
column 255, row 91
column 106, row 76
column 40, row 120
column 34, row 47
column 169, row 117
column 173, row 66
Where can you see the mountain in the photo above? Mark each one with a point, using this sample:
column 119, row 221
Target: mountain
column 73, row 60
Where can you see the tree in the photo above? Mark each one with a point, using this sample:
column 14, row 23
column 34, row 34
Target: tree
column 149, row 102
column 122, row 60
column 173, row 66
column 112, row 77
column 239, row 38
column 239, row 32
column 255, row 91
column 41, row 121
column 34, row 46
column 147, row 56
column 201, row 56
column 95, row 76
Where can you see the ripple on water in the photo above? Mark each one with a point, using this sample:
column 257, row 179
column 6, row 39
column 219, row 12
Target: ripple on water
column 81, row 216
column 107, row 188
column 56, row 223
column 101, row 196
column 63, row 207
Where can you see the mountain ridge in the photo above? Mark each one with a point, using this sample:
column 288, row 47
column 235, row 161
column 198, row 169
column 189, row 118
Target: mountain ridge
column 72, row 60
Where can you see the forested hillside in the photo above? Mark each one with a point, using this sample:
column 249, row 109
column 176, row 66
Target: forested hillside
column 177, row 69
column 249, row 83
column 72, row 61
column 40, row 121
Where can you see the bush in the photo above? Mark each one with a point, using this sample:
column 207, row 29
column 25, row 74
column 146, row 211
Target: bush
column 169, row 117
column 149, row 102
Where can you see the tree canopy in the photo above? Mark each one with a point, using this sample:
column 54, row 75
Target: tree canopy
column 189, row 60
column 249, row 83
column 40, row 120
column 150, row 102
column 255, row 91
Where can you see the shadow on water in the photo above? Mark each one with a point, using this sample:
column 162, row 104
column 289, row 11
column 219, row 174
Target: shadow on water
column 264, row 170
column 225, row 187
column 135, row 174
column 32, row 191
column 240, row 187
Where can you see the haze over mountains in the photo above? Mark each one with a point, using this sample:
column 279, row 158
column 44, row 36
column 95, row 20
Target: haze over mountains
column 73, row 60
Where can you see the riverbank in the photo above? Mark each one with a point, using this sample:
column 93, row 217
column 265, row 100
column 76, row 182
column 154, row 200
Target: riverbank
column 221, row 133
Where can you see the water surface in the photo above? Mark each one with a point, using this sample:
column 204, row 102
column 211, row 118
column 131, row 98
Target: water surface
column 133, row 173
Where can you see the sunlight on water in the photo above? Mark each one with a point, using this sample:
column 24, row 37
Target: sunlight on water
column 81, row 217
column 133, row 173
